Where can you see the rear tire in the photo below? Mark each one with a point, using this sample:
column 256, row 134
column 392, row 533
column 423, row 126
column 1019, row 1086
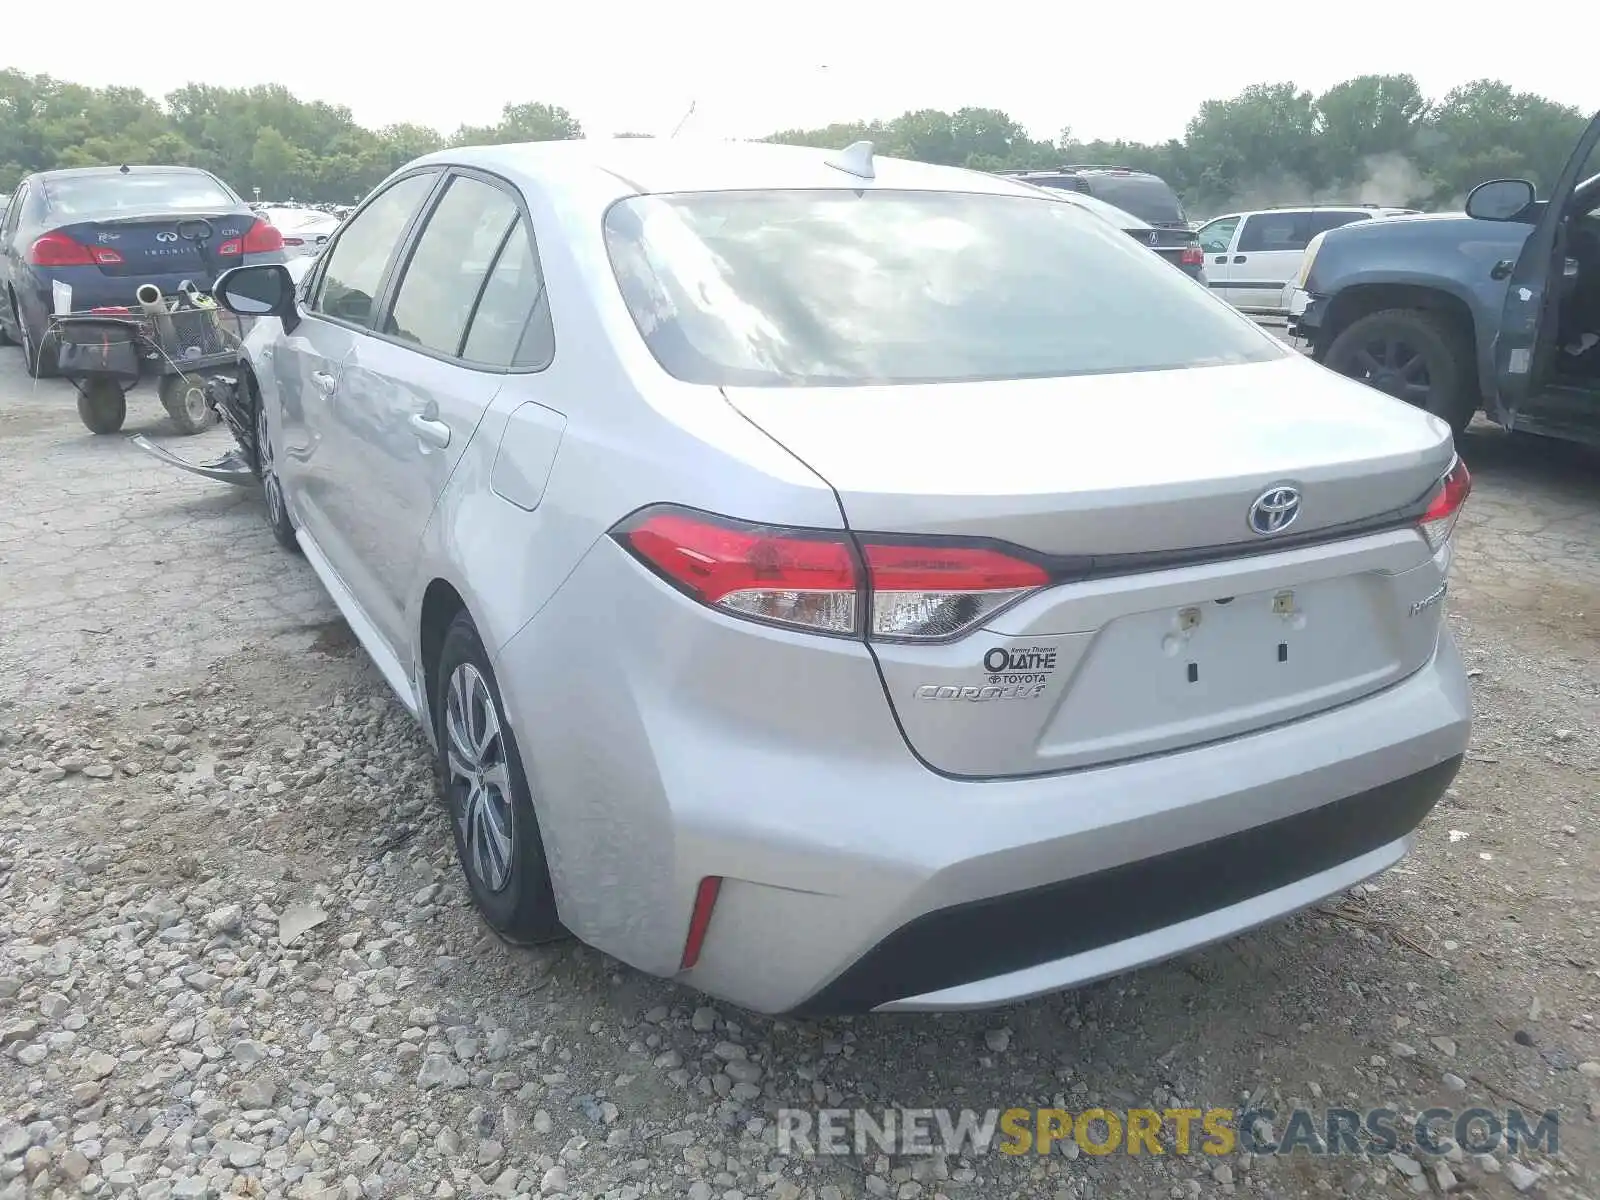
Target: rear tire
column 102, row 406
column 486, row 793
column 1415, row 355
column 184, row 398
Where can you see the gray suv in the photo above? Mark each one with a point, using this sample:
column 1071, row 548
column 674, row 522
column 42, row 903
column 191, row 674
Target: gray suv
column 1496, row 308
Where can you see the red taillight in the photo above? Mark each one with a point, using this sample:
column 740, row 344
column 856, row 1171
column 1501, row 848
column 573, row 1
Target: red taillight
column 794, row 578
column 1193, row 256
column 288, row 241
column 59, row 250
column 1440, row 520
column 923, row 590
column 705, row 900
column 260, row 238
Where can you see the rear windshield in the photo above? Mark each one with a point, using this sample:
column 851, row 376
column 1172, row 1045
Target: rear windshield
column 1145, row 196
column 89, row 194
column 802, row 288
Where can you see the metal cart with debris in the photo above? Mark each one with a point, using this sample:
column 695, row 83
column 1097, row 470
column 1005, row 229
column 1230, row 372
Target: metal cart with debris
column 179, row 340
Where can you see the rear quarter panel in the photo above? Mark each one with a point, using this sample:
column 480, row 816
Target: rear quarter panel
column 630, row 436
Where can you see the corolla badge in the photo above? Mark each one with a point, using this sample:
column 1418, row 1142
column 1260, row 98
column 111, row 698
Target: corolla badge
column 1275, row 510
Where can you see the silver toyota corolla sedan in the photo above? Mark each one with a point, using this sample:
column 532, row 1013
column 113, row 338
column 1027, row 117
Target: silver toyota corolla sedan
column 844, row 583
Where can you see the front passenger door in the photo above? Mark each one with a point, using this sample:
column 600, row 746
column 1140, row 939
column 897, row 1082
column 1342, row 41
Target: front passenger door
column 1216, row 243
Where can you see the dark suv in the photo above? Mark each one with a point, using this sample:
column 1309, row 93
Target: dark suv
column 1146, row 196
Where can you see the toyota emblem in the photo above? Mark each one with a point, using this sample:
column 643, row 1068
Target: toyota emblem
column 1275, row 510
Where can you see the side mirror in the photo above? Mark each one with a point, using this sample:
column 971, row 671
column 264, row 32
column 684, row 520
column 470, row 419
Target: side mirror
column 262, row 291
column 1500, row 199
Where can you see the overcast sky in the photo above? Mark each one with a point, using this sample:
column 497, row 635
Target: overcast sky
column 1106, row 70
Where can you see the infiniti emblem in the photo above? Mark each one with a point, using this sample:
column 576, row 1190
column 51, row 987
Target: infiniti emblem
column 1275, row 509
column 166, row 237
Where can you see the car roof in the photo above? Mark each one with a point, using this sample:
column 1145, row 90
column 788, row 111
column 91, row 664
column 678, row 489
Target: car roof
column 646, row 165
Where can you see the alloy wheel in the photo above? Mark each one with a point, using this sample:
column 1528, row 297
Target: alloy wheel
column 479, row 779
column 1393, row 366
column 264, row 463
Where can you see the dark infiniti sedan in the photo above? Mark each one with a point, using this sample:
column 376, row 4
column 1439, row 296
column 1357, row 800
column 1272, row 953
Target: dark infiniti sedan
column 86, row 238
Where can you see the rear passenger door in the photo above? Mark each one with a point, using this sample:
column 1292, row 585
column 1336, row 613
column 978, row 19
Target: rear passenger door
column 466, row 307
column 1266, row 258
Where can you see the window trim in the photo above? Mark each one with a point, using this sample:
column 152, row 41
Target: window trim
column 316, row 276
column 399, row 266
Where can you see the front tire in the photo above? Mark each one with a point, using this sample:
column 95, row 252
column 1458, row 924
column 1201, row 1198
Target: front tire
column 266, row 471
column 184, row 398
column 102, row 406
column 1415, row 355
column 491, row 810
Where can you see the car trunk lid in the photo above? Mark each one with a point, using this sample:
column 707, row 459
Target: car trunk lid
column 1171, row 622
column 152, row 243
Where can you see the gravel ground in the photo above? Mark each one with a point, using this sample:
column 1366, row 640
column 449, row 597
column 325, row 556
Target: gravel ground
column 236, row 956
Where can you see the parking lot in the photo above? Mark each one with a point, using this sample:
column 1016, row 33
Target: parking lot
column 197, row 762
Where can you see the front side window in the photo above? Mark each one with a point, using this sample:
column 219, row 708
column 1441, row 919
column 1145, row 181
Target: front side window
column 1216, row 237
column 360, row 256
column 453, row 258
column 818, row 288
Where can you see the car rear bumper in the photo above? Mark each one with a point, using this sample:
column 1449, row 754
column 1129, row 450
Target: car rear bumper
column 666, row 744
column 90, row 287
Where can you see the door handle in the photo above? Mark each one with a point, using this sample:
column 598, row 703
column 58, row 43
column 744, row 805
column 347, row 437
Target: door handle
column 1220, row 259
column 325, row 382
column 433, row 433
column 1238, row 258
column 1501, row 269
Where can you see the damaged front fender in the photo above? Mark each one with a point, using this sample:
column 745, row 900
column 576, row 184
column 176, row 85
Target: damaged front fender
column 232, row 467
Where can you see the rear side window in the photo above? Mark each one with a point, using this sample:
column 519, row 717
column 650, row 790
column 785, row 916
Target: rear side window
column 512, row 325
column 819, row 288
column 71, row 195
column 447, row 271
column 1321, row 222
column 359, row 257
column 1145, row 196
column 1275, row 231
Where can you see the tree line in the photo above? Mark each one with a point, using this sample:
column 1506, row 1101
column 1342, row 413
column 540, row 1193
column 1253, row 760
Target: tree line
column 1373, row 139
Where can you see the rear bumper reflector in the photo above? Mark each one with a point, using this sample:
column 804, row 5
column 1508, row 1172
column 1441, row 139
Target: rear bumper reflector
column 705, row 899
